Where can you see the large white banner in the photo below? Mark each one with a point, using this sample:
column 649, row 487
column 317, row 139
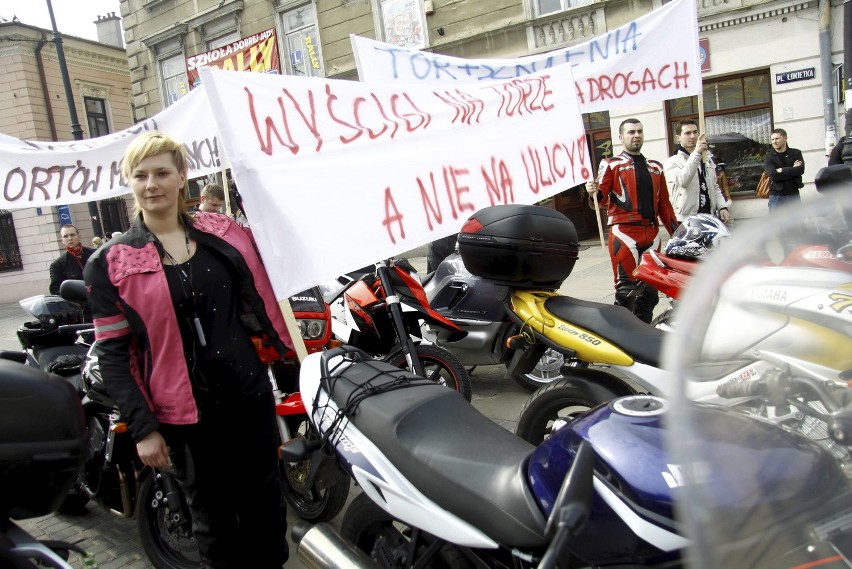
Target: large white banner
column 336, row 175
column 38, row 174
column 650, row 59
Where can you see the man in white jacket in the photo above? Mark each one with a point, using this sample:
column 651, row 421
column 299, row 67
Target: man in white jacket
column 691, row 176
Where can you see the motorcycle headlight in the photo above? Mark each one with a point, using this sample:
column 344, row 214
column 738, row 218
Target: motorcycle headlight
column 312, row 328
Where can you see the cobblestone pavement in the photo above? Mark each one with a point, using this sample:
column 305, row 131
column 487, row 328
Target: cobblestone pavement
column 114, row 541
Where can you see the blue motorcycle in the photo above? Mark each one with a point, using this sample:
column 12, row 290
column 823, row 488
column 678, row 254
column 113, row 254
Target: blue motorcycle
column 444, row 486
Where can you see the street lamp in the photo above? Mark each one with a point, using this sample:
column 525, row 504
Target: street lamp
column 76, row 130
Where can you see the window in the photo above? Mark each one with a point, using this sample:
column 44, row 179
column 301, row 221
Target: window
column 114, row 214
column 545, row 7
column 220, row 26
column 738, row 117
column 10, row 254
column 598, row 136
column 173, row 74
column 167, row 48
column 301, row 38
column 223, row 40
column 97, row 116
column 402, row 23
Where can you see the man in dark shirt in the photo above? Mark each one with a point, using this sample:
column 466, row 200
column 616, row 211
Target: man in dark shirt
column 784, row 166
column 836, row 156
column 69, row 265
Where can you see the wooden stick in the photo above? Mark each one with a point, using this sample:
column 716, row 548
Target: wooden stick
column 598, row 219
column 293, row 328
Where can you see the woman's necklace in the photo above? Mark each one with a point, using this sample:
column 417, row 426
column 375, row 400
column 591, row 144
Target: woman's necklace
column 190, row 296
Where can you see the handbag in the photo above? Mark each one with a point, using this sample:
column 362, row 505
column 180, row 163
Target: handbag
column 762, row 189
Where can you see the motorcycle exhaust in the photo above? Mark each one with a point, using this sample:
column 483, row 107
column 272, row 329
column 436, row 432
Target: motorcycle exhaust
column 320, row 546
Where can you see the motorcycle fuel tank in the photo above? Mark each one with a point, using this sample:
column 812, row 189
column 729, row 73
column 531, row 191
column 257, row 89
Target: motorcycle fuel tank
column 635, row 476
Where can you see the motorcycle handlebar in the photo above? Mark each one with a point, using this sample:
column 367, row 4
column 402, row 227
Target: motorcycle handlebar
column 735, row 389
column 76, row 328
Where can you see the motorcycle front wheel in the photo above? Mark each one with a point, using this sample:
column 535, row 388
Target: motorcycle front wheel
column 387, row 541
column 551, row 407
column 167, row 541
column 322, row 500
column 439, row 366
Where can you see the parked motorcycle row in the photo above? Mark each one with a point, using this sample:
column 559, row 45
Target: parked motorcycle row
column 719, row 436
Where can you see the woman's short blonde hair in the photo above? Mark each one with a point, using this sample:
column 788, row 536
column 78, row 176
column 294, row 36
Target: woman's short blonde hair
column 154, row 143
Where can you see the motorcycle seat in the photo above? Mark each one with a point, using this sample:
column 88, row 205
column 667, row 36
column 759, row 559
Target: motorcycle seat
column 454, row 455
column 687, row 266
column 617, row 324
column 47, row 357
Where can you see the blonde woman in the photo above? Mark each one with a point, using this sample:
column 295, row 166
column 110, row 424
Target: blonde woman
column 176, row 301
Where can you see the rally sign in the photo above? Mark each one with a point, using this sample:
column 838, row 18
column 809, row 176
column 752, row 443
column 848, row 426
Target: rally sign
column 38, row 174
column 257, row 52
column 336, row 175
column 650, row 59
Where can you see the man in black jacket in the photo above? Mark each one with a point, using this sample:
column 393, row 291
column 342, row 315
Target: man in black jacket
column 69, row 265
column 836, row 156
column 784, row 166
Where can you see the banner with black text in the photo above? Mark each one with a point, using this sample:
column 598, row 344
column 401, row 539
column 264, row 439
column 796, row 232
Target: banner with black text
column 39, row 174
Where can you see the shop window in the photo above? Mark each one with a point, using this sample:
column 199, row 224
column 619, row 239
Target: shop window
column 738, row 117
column 544, row 7
column 10, row 253
column 97, row 116
column 401, row 22
column 301, row 38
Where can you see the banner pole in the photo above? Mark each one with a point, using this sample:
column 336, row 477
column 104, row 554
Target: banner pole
column 293, row 328
column 598, row 219
column 702, row 126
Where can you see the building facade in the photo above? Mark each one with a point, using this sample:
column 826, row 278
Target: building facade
column 761, row 61
column 33, row 106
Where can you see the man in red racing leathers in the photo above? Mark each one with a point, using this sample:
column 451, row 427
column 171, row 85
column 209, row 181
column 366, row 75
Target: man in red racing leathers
column 634, row 191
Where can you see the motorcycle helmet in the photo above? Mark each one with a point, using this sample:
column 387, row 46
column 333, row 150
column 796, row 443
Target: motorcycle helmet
column 696, row 235
column 50, row 313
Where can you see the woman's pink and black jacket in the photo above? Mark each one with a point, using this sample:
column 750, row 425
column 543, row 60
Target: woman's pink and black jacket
column 139, row 345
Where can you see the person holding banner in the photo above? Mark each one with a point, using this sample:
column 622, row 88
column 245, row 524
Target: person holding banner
column 176, row 302
column 634, row 191
column 691, row 176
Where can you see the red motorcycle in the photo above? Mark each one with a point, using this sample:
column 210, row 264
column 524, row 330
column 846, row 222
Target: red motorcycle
column 380, row 312
column 671, row 271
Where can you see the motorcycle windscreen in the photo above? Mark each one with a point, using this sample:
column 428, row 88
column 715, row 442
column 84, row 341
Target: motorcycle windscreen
column 790, row 326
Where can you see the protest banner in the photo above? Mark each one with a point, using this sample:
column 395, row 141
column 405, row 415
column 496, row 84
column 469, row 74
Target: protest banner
column 652, row 58
column 336, row 175
column 38, row 174
column 257, row 52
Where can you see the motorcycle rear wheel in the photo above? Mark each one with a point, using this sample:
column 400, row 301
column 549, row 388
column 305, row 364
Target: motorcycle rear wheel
column 315, row 503
column 546, row 371
column 551, row 407
column 166, row 544
column 439, row 366
column 387, row 541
